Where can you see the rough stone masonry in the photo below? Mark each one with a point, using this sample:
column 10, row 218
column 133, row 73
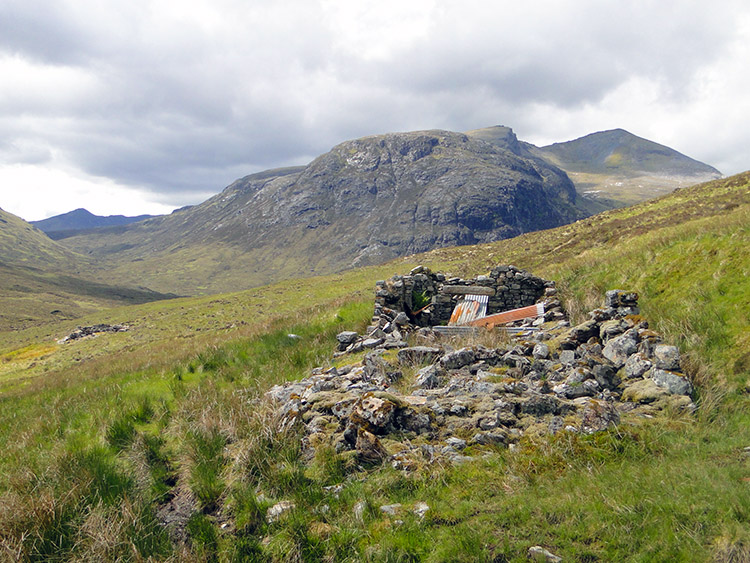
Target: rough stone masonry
column 415, row 397
column 428, row 298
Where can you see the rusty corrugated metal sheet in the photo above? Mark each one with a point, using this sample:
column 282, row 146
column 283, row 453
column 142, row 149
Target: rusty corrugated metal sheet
column 469, row 308
column 509, row 316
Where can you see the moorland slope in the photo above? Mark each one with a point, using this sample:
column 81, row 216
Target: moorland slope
column 42, row 281
column 107, row 439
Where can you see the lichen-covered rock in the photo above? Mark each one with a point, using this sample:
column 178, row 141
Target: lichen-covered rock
column 675, row 383
column 588, row 388
column 458, row 359
column 667, row 357
column 374, row 414
column 539, row 405
column 391, row 509
column 541, row 351
column 488, row 438
column 606, row 376
column 401, row 319
column 540, row 555
column 582, row 332
column 456, row 443
column 369, row 449
column 567, row 356
column 365, row 344
column 643, row 391
column 428, row 377
column 618, row 349
column 636, row 366
column 598, row 415
column 278, row 510
column 344, row 406
column 618, row 298
column 612, row 328
column 347, row 337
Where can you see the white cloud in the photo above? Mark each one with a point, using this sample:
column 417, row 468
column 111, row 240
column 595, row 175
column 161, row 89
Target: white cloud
column 37, row 192
column 172, row 100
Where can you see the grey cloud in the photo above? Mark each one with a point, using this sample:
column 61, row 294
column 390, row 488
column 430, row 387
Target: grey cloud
column 181, row 107
column 24, row 153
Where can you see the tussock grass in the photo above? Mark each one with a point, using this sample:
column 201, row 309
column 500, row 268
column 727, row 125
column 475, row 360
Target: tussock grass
column 118, row 427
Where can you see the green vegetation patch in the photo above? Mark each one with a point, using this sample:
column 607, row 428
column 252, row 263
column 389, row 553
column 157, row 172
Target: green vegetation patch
column 170, row 419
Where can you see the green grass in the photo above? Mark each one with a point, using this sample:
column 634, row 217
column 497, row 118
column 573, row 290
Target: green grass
column 99, row 434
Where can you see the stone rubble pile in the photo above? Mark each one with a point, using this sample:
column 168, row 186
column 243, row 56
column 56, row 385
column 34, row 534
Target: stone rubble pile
column 411, row 405
column 84, row 331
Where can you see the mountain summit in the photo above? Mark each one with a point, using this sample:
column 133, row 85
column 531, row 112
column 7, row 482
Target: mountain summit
column 616, row 168
column 366, row 201
column 620, row 151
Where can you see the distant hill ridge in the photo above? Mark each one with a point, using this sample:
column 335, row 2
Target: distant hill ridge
column 619, row 150
column 73, row 222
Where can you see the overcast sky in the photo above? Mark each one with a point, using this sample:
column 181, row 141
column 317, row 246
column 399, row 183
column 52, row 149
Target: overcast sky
column 145, row 106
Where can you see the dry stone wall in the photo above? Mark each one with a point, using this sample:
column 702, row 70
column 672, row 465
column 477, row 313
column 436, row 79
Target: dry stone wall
column 416, row 397
column 428, row 298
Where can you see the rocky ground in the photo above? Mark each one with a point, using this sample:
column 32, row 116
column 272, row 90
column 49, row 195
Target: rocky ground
column 447, row 400
column 85, row 331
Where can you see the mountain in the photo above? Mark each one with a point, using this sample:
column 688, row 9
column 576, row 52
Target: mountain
column 619, row 168
column 43, row 281
column 366, row 201
column 73, row 222
column 372, row 199
column 610, row 168
column 618, row 151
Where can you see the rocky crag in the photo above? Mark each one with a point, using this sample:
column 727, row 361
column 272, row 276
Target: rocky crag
column 364, row 202
column 416, row 397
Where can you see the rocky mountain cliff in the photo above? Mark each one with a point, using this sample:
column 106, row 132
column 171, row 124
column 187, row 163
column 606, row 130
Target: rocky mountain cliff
column 364, row 202
column 610, row 168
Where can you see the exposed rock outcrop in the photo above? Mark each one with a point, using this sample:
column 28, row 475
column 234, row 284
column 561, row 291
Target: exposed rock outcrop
column 364, row 202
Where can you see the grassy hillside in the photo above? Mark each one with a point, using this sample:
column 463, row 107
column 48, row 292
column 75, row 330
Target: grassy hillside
column 21, row 243
column 99, row 435
column 42, row 281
